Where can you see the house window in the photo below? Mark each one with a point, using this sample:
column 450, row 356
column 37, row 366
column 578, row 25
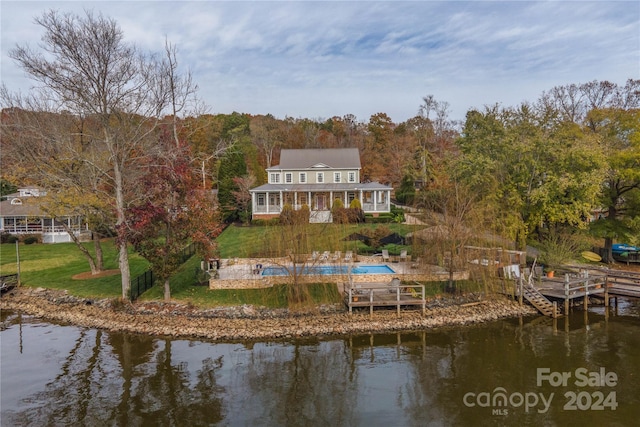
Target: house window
column 260, row 200
column 320, row 178
column 275, row 178
column 336, row 177
column 302, row 198
column 288, row 177
column 303, row 177
column 352, row 177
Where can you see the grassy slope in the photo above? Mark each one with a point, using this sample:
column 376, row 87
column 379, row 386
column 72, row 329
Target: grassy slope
column 53, row 266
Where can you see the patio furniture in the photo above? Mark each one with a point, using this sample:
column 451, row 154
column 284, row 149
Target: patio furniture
column 348, row 256
column 403, row 256
column 385, row 255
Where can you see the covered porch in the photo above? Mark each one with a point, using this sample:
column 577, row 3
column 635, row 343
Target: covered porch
column 269, row 199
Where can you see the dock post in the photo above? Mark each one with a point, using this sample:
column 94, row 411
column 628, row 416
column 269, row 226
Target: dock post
column 555, row 309
column 520, row 290
column 370, row 302
column 606, row 300
column 566, row 294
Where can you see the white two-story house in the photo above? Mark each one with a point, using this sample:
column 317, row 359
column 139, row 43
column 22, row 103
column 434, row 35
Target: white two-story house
column 316, row 178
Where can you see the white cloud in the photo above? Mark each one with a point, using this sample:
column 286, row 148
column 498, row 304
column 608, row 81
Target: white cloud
column 320, row 59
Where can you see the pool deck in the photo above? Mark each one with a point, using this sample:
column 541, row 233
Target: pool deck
column 241, row 273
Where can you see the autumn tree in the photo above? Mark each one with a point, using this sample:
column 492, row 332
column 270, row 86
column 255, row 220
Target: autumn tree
column 618, row 131
column 532, row 172
column 265, row 135
column 86, row 69
column 607, row 114
column 378, row 146
column 242, row 196
column 46, row 149
column 174, row 213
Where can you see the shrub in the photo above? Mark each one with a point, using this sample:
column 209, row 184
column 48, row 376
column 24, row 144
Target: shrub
column 302, row 214
column 29, row 240
column 8, row 238
column 286, row 216
column 340, row 215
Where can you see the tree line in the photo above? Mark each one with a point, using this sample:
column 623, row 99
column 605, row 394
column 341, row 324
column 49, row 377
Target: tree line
column 119, row 136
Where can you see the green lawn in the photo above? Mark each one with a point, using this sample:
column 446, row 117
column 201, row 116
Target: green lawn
column 53, row 266
column 183, row 290
column 256, row 242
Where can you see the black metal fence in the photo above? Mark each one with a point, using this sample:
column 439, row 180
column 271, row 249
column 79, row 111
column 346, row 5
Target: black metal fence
column 141, row 284
column 146, row 280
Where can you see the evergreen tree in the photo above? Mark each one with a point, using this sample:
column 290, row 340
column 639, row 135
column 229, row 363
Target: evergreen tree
column 232, row 165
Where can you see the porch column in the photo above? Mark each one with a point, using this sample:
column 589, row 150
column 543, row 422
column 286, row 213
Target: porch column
column 281, row 201
column 330, row 199
column 310, row 201
column 267, row 201
column 295, row 200
column 375, row 201
column 253, row 203
column 360, row 198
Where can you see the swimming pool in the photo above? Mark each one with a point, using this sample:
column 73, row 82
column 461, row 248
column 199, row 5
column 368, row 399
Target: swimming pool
column 330, row 270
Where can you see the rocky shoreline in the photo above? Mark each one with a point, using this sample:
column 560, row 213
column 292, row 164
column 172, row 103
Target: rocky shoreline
column 248, row 322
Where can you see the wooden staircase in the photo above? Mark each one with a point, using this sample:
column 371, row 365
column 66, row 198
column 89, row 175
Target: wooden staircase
column 539, row 301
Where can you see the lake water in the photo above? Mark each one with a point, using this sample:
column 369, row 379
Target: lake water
column 581, row 370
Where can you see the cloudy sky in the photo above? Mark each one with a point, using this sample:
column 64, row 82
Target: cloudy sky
column 322, row 59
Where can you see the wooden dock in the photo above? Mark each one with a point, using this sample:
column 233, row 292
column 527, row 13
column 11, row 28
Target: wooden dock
column 394, row 294
column 623, row 284
column 546, row 293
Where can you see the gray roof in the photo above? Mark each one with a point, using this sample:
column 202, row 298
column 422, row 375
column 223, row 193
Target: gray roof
column 29, row 207
column 335, row 158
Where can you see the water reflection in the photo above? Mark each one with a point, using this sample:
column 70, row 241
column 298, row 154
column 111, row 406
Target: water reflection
column 63, row 375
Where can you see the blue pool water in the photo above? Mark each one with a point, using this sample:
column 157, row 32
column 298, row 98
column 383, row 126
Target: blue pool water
column 330, row 270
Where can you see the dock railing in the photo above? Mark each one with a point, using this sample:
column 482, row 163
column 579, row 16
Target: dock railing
column 583, row 286
column 384, row 295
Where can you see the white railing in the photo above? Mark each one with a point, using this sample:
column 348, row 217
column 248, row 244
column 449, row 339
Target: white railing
column 378, row 207
column 37, row 229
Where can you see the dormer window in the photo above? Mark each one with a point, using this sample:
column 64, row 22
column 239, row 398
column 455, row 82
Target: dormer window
column 16, row 201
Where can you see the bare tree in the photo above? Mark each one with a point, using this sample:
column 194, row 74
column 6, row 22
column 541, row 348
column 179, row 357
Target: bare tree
column 264, row 133
column 85, row 68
